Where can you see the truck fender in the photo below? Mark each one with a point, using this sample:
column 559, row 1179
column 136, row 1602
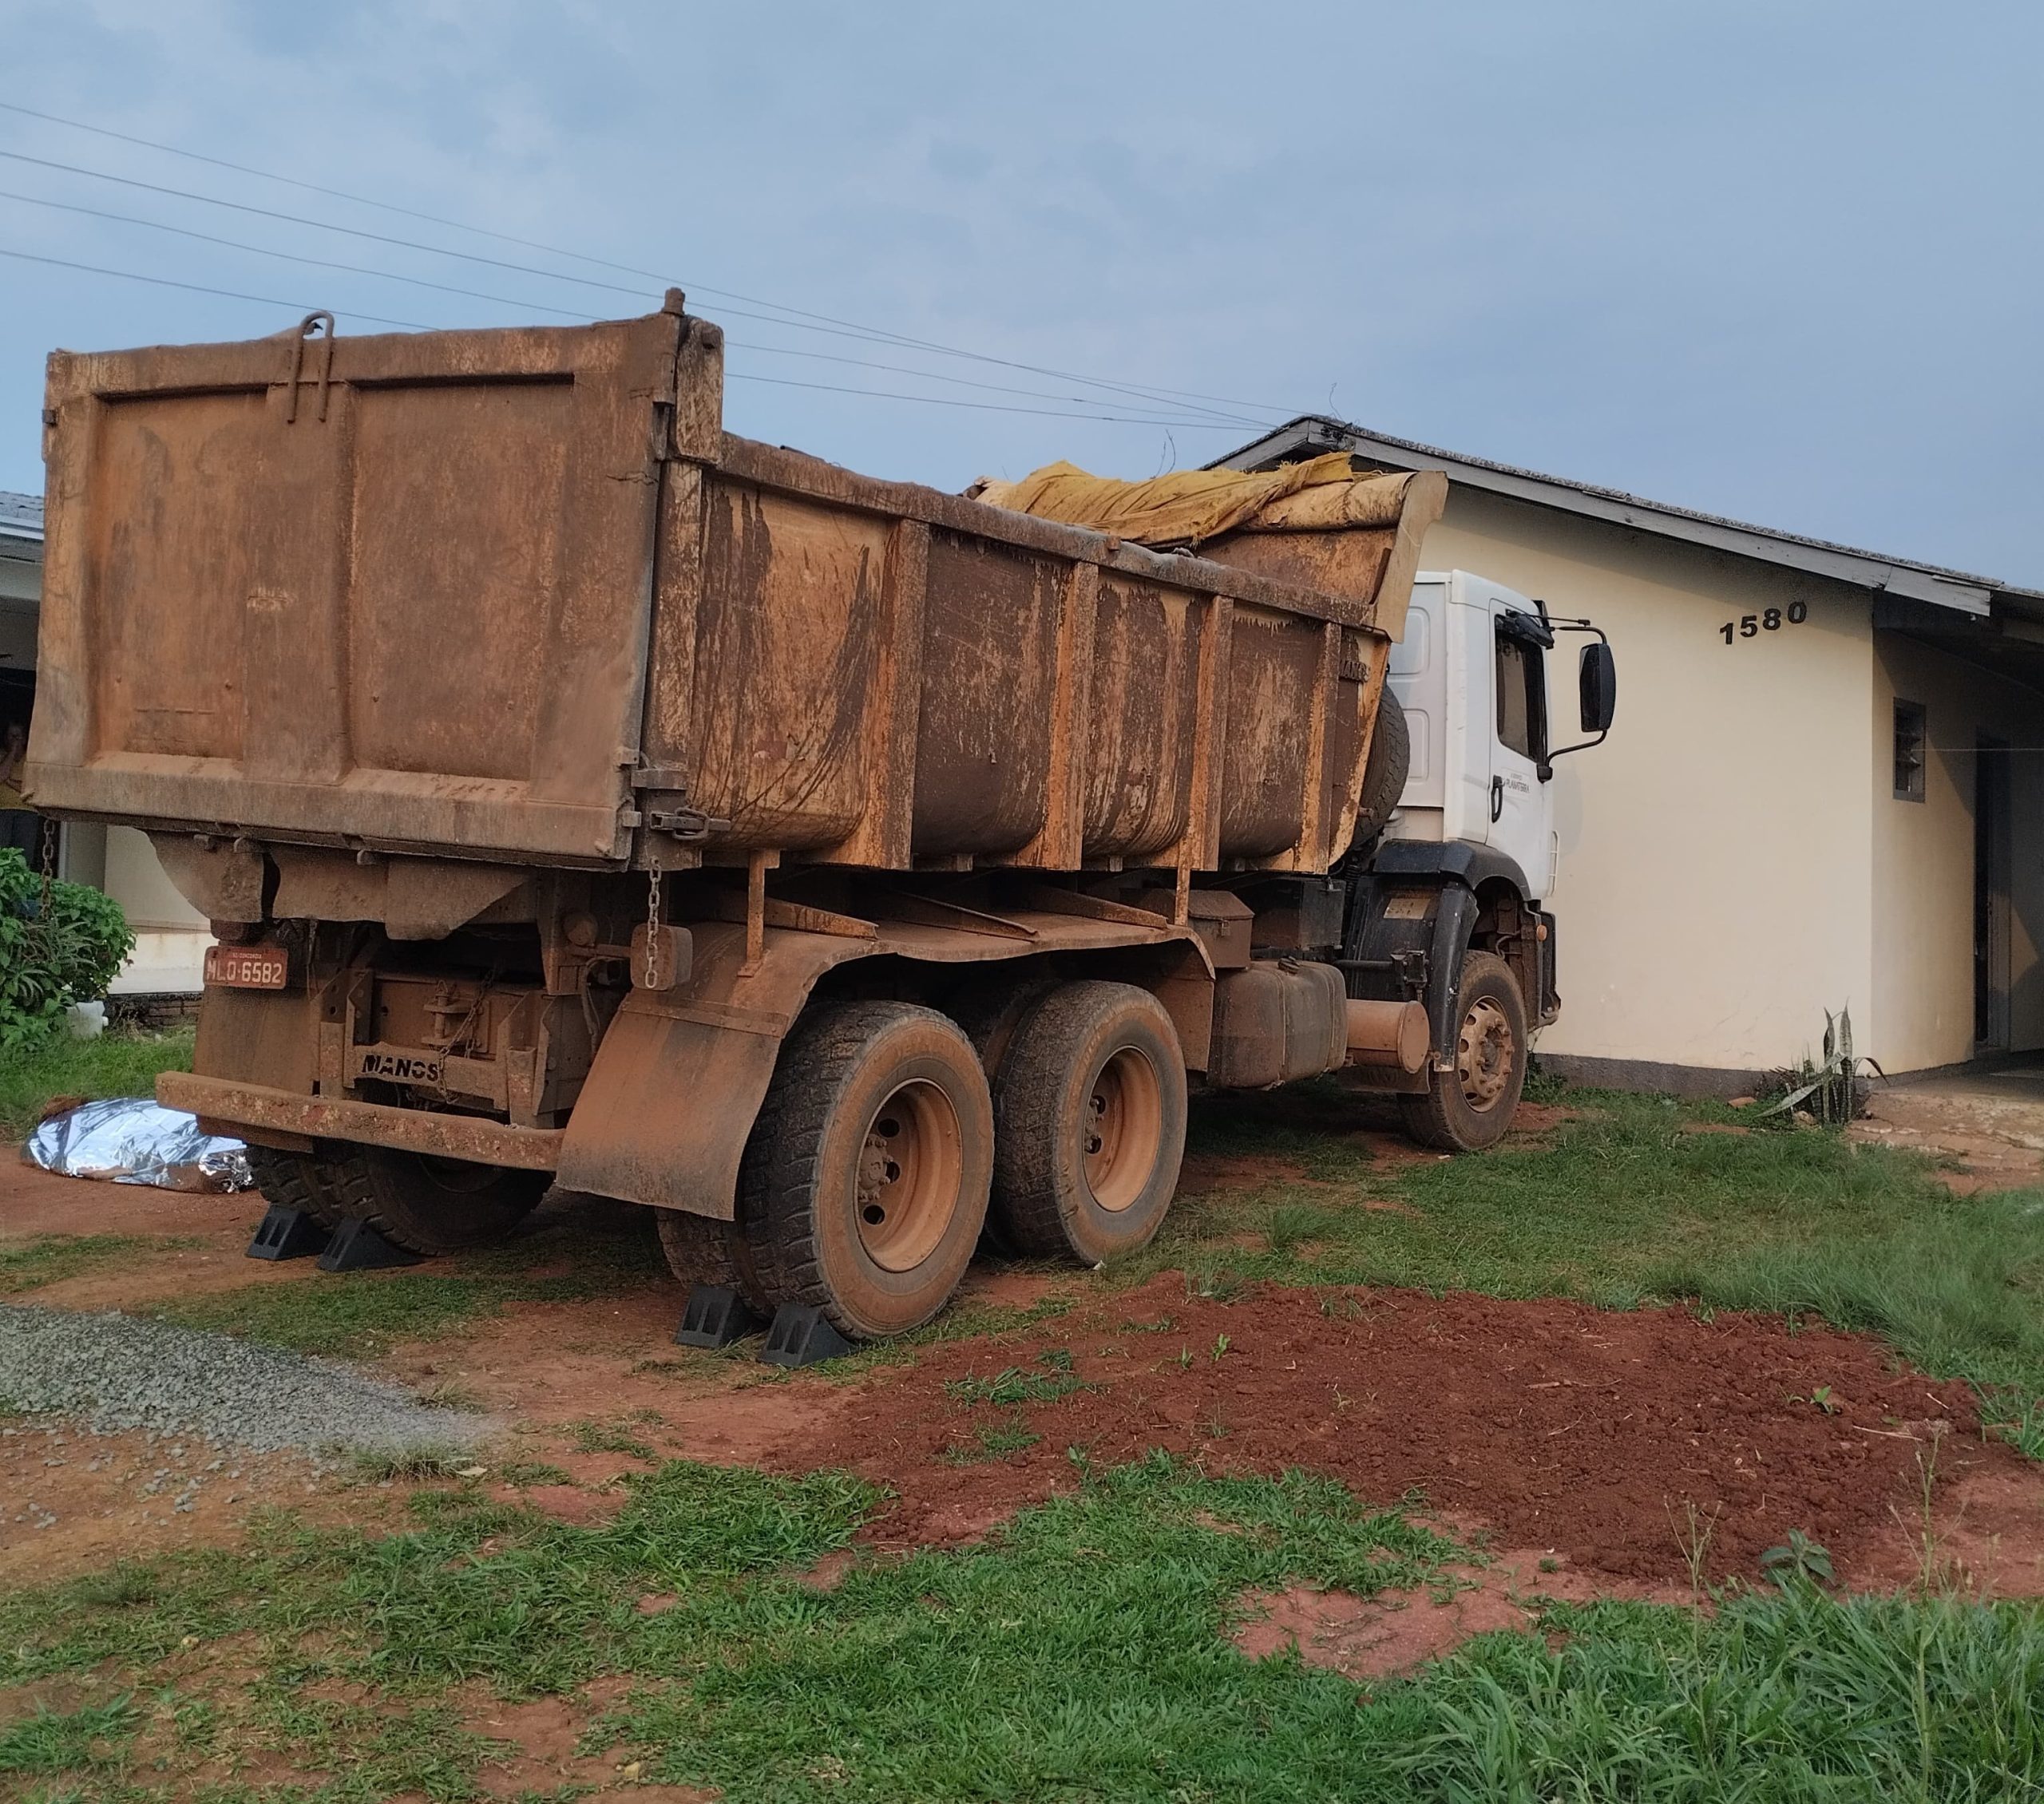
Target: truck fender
column 1455, row 921
column 1404, row 941
column 678, row 1080
column 1471, row 865
column 1455, row 873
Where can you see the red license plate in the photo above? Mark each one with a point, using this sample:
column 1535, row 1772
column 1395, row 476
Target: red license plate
column 248, row 967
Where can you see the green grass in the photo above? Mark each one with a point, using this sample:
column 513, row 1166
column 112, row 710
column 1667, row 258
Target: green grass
column 1785, row 1696
column 48, row 1259
column 993, row 1440
column 115, row 1064
column 610, row 1437
column 525, row 1474
column 1011, row 1385
column 1080, row 1653
column 410, row 1465
column 1639, row 1201
column 48, row 1742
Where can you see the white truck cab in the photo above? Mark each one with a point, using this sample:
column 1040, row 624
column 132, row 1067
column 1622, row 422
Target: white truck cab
column 1471, row 674
column 1449, row 892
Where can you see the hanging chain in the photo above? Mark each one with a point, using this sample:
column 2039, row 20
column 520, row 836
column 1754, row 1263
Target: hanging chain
column 48, row 834
column 653, row 928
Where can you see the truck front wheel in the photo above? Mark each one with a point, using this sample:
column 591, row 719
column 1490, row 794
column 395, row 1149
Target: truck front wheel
column 1469, row 1108
column 1089, row 1110
column 867, row 1169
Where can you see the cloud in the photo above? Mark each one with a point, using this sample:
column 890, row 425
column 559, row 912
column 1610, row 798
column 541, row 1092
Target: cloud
column 1775, row 262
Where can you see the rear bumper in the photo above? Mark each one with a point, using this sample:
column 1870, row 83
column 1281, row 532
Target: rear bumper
column 290, row 1119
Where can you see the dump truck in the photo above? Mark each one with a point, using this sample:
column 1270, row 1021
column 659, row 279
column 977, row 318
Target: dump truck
column 580, row 794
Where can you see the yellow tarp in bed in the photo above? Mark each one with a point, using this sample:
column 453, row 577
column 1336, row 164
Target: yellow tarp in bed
column 1187, row 507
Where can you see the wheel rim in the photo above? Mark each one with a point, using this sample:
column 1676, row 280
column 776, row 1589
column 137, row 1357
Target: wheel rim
column 1485, row 1055
column 1123, row 1129
column 910, row 1170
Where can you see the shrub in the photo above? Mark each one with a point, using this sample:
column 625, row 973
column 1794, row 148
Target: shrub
column 53, row 953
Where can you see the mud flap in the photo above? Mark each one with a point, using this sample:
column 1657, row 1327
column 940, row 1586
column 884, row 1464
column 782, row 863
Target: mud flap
column 680, row 1075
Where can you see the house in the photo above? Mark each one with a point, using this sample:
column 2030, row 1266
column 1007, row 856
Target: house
column 1824, row 788
column 170, row 937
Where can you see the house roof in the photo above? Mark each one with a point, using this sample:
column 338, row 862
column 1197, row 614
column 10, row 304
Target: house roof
column 21, row 519
column 21, row 515
column 1928, row 583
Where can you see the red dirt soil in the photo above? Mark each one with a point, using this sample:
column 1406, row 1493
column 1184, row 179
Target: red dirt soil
column 1584, row 1432
column 1577, row 1433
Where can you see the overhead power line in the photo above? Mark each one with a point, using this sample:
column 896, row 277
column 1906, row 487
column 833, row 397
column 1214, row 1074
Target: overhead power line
column 506, row 300
column 320, row 225
column 197, row 287
column 528, row 269
column 334, row 193
column 288, row 256
column 736, row 376
column 795, row 315
column 990, row 406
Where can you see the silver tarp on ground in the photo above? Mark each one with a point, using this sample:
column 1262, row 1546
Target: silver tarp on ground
column 131, row 1140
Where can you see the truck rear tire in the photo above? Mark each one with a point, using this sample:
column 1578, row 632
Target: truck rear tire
column 701, row 1250
column 293, row 1181
column 1468, row 1108
column 429, row 1205
column 867, row 1169
column 1089, row 1124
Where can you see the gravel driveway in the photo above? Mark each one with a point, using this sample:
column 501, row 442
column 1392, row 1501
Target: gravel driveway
column 112, row 1372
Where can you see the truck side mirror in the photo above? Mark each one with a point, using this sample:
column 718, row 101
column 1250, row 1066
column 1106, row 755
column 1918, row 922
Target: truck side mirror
column 1598, row 680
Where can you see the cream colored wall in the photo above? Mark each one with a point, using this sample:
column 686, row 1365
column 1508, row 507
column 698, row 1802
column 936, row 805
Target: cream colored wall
column 135, row 879
column 1713, row 895
column 1922, row 871
column 171, row 935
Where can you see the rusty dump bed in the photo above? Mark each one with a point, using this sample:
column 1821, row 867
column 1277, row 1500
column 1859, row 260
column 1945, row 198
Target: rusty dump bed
column 514, row 596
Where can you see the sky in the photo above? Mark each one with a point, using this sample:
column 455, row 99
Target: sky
column 1776, row 261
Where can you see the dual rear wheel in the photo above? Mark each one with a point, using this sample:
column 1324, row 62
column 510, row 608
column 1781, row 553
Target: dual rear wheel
column 883, row 1147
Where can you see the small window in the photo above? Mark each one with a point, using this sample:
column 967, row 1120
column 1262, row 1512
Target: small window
column 1522, row 697
column 1408, row 656
column 1909, row 737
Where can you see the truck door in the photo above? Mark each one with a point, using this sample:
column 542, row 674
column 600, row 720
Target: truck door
column 1518, row 824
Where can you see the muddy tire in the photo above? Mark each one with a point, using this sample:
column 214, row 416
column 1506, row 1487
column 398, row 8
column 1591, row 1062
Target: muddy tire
column 868, row 1169
column 432, row 1206
column 293, row 1181
column 701, row 1251
column 990, row 1018
column 1467, row 1108
column 1089, row 1124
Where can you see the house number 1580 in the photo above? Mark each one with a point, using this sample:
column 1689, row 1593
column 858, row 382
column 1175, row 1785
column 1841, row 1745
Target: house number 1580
column 1747, row 625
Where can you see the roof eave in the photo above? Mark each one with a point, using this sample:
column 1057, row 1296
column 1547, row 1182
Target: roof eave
column 1962, row 594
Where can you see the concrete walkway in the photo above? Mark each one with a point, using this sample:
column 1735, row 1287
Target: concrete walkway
column 1988, row 1125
